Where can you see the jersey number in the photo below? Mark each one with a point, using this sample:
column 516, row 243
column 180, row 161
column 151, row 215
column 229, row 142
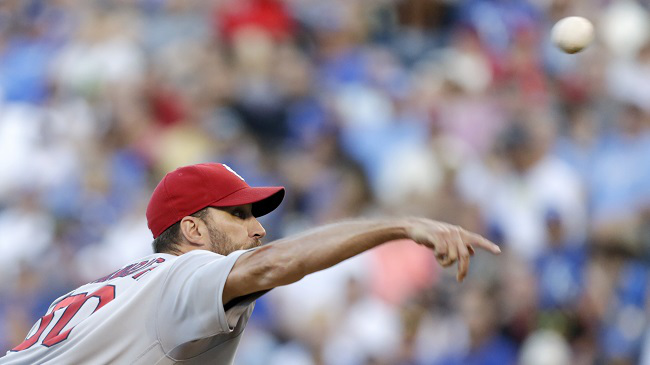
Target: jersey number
column 70, row 306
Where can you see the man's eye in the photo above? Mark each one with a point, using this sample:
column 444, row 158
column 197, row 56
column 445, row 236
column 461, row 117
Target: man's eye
column 239, row 214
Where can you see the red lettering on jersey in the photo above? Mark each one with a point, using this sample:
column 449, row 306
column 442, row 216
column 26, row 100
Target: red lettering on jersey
column 73, row 304
column 129, row 269
column 137, row 276
column 29, row 342
column 157, row 261
column 70, row 306
column 123, row 272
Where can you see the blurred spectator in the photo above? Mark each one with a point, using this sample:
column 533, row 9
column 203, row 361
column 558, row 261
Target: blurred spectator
column 545, row 348
column 617, row 302
column 486, row 346
column 559, row 267
column 527, row 183
column 619, row 188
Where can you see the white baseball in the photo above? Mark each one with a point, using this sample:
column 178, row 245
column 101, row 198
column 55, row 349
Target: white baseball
column 572, row 34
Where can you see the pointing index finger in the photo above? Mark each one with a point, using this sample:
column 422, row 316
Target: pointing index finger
column 480, row 241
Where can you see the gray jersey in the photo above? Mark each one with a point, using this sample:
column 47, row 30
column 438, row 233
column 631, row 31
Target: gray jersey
column 159, row 310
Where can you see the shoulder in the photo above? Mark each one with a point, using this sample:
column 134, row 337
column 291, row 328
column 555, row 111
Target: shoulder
column 197, row 261
column 195, row 256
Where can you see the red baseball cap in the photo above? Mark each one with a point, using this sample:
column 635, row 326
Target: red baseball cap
column 189, row 189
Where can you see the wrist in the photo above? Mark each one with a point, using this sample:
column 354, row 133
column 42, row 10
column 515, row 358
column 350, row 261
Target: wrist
column 396, row 229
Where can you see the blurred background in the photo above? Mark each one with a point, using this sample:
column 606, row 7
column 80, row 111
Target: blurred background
column 461, row 111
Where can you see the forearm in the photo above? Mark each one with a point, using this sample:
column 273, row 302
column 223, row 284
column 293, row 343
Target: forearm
column 324, row 247
column 289, row 259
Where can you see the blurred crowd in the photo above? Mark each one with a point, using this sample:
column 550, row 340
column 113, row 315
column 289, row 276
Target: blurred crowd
column 457, row 110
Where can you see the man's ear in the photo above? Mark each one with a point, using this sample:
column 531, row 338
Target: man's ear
column 192, row 230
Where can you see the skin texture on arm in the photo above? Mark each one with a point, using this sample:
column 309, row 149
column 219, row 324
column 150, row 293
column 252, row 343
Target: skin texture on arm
column 288, row 260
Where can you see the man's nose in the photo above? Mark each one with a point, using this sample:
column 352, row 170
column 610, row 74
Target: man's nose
column 256, row 230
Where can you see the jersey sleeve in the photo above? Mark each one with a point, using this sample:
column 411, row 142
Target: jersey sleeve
column 191, row 306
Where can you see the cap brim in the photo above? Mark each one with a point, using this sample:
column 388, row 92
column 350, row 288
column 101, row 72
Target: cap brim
column 264, row 199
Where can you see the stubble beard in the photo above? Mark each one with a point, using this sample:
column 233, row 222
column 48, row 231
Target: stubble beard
column 223, row 245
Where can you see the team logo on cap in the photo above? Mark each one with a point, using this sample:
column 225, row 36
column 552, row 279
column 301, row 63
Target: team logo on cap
column 233, row 171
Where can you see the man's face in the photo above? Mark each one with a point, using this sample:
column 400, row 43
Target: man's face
column 233, row 228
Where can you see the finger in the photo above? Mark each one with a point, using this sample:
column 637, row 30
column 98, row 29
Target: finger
column 452, row 247
column 463, row 265
column 471, row 250
column 480, row 241
column 463, row 268
column 441, row 247
column 452, row 240
column 463, row 258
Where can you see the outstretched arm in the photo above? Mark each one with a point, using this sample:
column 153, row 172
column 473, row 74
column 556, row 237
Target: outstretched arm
column 288, row 260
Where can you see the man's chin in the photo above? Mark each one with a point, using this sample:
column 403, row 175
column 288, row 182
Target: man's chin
column 253, row 244
column 225, row 251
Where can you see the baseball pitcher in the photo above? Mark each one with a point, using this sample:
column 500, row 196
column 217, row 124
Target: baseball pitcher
column 190, row 301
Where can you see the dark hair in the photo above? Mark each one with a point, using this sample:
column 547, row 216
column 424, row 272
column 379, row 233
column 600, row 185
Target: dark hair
column 168, row 241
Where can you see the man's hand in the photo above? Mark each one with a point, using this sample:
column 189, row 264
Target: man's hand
column 450, row 243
